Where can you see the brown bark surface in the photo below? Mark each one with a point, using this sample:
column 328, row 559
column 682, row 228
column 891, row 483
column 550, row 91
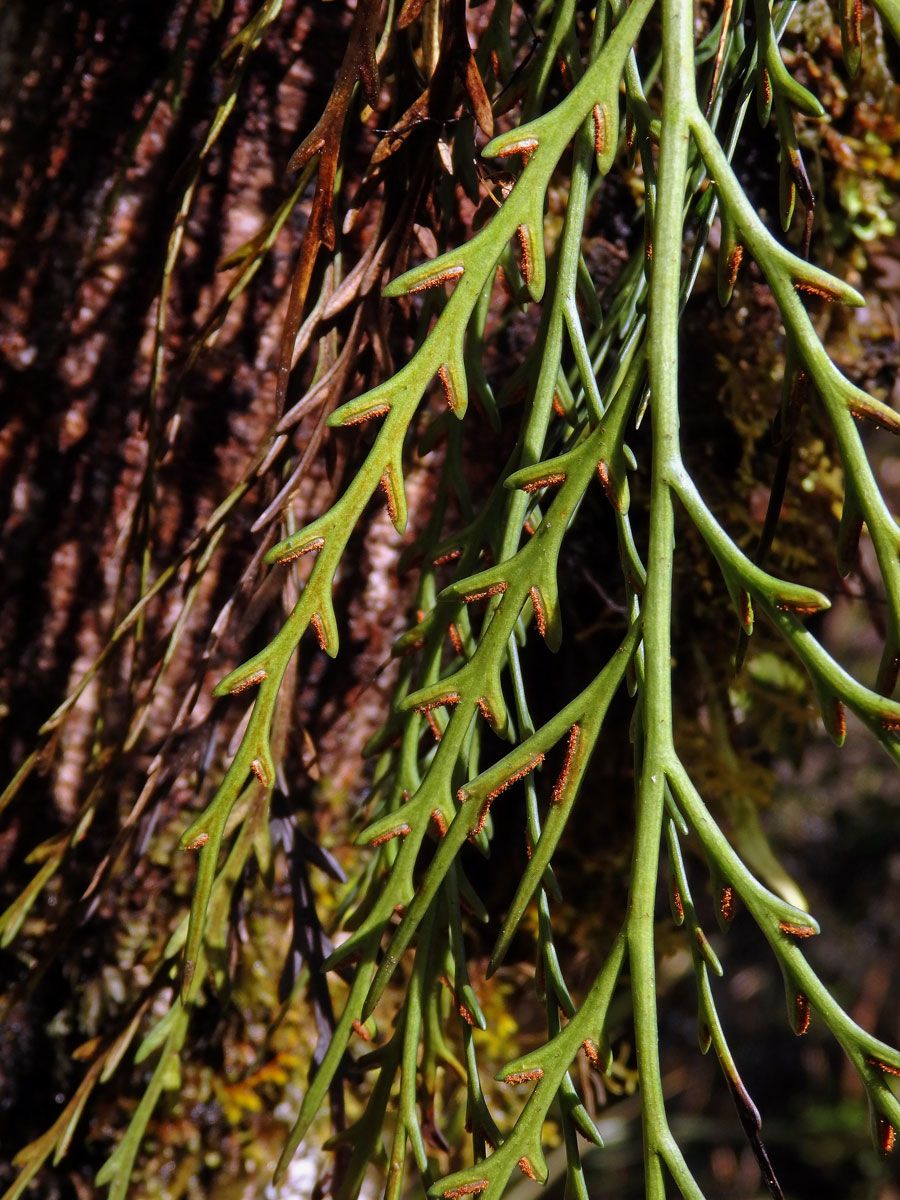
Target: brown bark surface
column 109, row 476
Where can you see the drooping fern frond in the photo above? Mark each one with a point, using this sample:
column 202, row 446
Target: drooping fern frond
column 518, row 132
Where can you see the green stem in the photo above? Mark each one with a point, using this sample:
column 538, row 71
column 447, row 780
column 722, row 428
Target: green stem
column 665, row 284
